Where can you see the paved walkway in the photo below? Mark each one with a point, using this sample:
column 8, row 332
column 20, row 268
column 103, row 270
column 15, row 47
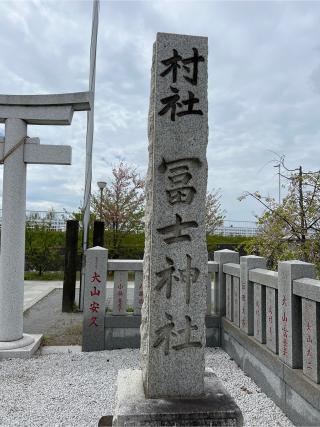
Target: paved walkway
column 35, row 290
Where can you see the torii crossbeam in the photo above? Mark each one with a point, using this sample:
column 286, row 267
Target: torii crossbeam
column 16, row 152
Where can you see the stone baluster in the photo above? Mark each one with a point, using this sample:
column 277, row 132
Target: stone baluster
column 259, row 315
column 309, row 291
column 272, row 337
column 138, row 292
column 236, row 301
column 229, row 299
column 222, row 257
column 248, row 263
column 289, row 311
column 120, row 289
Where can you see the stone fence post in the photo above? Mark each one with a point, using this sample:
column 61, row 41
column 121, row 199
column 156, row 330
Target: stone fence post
column 94, row 308
column 289, row 311
column 222, row 257
column 247, row 263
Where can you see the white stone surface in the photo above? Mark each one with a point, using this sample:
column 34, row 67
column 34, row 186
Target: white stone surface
column 30, row 344
column 12, row 235
column 53, row 115
column 22, row 342
column 77, row 389
column 125, row 265
column 35, row 292
column 60, row 349
column 34, row 153
column 47, row 154
column 80, row 101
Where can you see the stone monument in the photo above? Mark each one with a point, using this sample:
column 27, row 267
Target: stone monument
column 171, row 388
column 16, row 152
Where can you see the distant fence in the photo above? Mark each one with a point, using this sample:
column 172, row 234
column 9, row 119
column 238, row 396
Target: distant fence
column 237, row 228
column 57, row 222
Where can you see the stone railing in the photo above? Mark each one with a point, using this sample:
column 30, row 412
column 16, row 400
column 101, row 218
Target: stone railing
column 121, row 299
column 280, row 310
column 270, row 327
column 267, row 321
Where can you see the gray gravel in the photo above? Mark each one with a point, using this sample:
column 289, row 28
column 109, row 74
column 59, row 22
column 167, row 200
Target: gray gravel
column 76, row 389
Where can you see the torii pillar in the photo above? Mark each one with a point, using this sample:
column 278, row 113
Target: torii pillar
column 17, row 112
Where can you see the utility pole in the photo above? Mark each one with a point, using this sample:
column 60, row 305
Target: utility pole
column 279, row 182
column 302, row 214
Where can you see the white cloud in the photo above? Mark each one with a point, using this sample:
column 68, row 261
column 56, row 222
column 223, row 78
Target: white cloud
column 264, row 86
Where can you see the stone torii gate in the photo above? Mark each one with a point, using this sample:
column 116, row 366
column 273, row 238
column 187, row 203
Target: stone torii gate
column 16, row 152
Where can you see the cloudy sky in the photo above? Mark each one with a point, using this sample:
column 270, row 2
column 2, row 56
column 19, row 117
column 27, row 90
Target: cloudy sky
column 264, row 87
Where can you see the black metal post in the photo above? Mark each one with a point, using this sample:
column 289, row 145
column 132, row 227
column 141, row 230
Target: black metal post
column 70, row 266
column 98, row 233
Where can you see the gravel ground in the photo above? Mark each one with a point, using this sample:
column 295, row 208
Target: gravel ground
column 76, row 389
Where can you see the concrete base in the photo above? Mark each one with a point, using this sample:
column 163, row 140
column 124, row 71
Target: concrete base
column 60, row 349
column 290, row 389
column 22, row 349
column 215, row 408
column 124, row 331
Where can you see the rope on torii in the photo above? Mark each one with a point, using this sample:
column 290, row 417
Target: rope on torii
column 89, row 137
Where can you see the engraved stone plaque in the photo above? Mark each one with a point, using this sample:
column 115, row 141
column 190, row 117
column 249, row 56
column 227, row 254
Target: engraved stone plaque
column 176, row 259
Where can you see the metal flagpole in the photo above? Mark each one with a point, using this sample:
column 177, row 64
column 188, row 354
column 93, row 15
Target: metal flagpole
column 89, row 142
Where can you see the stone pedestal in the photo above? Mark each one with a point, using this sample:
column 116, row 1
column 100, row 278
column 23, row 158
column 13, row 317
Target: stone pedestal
column 23, row 348
column 215, row 408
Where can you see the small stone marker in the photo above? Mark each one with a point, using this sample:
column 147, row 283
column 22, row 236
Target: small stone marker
column 259, row 312
column 229, row 300
column 171, row 389
column 272, row 319
column 289, row 311
column 176, row 259
column 94, row 308
column 246, row 291
column 120, row 290
column 138, row 292
column 236, row 302
column 311, row 338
